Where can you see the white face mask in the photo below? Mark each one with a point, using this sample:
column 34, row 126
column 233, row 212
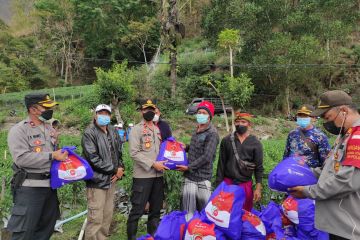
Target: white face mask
column 156, row 118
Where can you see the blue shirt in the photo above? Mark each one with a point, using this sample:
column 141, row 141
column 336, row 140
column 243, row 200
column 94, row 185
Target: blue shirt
column 121, row 134
column 296, row 146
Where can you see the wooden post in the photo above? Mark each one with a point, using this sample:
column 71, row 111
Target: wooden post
column 54, row 94
column 5, row 155
column 3, row 185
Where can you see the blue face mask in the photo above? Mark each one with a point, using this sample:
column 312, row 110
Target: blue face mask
column 303, row 122
column 103, row 120
column 202, row 118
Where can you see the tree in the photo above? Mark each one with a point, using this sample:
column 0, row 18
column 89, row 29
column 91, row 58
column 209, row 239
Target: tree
column 172, row 32
column 57, row 35
column 115, row 86
column 229, row 39
column 139, row 33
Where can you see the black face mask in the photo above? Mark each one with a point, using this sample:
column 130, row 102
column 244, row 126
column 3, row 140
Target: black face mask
column 46, row 115
column 332, row 128
column 241, row 129
column 149, row 116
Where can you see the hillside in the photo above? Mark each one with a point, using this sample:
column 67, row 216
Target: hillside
column 5, row 13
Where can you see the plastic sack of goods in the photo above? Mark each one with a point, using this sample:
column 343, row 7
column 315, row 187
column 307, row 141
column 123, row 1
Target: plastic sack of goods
column 199, row 229
column 252, row 227
column 172, row 152
column 225, row 209
column 146, row 237
column 172, row 226
column 302, row 213
column 75, row 168
column 291, row 172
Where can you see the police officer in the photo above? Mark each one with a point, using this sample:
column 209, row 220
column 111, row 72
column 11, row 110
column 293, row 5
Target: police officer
column 32, row 146
column 148, row 182
column 337, row 193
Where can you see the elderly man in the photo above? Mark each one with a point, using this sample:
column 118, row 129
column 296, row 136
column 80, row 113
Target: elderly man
column 337, row 193
column 102, row 149
column 241, row 157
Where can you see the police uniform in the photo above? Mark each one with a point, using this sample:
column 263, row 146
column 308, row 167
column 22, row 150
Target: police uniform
column 148, row 184
column 36, row 206
column 337, row 193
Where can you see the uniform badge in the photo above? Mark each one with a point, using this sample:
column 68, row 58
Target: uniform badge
column 147, row 144
column 37, row 149
column 336, row 166
column 37, row 142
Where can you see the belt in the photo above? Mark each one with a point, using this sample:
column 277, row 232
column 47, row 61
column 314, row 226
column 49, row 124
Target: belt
column 38, row 176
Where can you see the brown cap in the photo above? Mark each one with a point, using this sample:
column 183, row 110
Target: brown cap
column 306, row 109
column 331, row 99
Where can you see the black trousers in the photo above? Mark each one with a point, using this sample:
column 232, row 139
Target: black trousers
column 145, row 190
column 335, row 237
column 34, row 213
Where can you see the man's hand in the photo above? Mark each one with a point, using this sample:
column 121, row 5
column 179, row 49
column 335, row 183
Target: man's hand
column 182, row 168
column 159, row 166
column 297, row 192
column 120, row 173
column 183, row 145
column 59, row 155
column 114, row 179
column 257, row 193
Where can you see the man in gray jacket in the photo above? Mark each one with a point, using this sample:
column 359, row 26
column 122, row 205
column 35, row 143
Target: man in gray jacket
column 102, row 149
column 337, row 193
column 148, row 182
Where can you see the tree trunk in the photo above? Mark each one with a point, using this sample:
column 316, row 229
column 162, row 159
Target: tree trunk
column 231, row 62
column 328, row 49
column 173, row 59
column 115, row 108
column 223, row 107
column 287, row 100
column 144, row 53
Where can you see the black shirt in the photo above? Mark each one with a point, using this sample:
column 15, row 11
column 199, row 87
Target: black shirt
column 250, row 150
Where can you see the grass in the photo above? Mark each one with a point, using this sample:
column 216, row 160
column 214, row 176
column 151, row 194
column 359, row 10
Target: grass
column 60, row 93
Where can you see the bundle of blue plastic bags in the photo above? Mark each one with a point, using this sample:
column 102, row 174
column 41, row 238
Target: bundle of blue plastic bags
column 224, row 218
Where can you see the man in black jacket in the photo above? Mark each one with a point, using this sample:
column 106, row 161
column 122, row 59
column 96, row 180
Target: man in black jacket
column 102, row 149
column 241, row 156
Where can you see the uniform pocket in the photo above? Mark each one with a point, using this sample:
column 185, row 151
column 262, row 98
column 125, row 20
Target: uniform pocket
column 136, row 195
column 17, row 219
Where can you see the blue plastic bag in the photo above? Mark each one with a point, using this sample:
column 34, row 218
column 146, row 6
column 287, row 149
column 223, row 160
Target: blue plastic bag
column 302, row 213
column 199, row 229
column 172, row 226
column 252, row 227
column 172, row 152
column 225, row 209
column 75, row 168
column 291, row 172
column 146, row 237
